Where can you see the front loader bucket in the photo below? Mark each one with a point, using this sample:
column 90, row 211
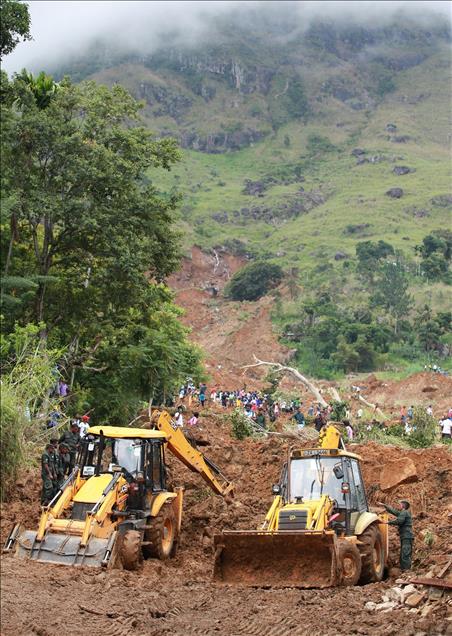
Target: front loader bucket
column 287, row 559
column 65, row 549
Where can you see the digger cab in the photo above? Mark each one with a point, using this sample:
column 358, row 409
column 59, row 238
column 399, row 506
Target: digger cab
column 311, row 475
column 138, row 455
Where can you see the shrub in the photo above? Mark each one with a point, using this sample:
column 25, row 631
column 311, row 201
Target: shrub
column 27, row 380
column 240, row 425
column 425, row 429
column 253, row 281
column 339, row 410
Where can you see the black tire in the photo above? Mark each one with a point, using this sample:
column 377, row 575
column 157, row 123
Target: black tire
column 130, row 551
column 350, row 563
column 161, row 534
column 372, row 555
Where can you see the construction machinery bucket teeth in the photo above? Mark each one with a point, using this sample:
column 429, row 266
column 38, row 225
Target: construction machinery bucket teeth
column 65, row 549
column 286, row 559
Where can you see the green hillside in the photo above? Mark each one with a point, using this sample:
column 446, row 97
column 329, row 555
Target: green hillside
column 292, row 140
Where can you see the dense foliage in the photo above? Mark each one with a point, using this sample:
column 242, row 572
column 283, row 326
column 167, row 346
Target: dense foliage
column 14, row 25
column 28, row 380
column 87, row 238
column 253, row 281
column 337, row 333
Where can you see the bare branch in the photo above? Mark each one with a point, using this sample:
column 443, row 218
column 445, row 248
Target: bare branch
column 280, row 367
column 372, row 406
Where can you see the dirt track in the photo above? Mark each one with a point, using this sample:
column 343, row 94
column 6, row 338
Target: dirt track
column 178, row 597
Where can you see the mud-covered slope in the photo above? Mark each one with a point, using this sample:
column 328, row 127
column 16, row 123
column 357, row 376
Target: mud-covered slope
column 230, row 333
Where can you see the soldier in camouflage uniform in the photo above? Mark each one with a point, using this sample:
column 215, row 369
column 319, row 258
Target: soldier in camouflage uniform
column 71, row 439
column 61, row 461
column 48, row 474
column 404, row 522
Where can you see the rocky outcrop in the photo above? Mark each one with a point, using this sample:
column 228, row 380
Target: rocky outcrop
column 395, row 193
column 254, row 188
column 240, row 76
column 401, row 170
column 400, row 139
column 165, row 101
column 442, row 201
column 222, row 141
column 302, row 203
column 396, row 472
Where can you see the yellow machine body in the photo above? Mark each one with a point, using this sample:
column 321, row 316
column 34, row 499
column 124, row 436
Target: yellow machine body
column 296, row 545
column 83, row 523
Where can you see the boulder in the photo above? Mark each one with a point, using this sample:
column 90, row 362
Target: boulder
column 395, row 193
column 413, row 600
column 357, row 152
column 396, row 594
column 370, row 606
column 386, row 607
column 401, row 170
column 396, row 472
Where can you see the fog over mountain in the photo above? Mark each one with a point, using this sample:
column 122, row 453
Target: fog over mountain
column 63, row 30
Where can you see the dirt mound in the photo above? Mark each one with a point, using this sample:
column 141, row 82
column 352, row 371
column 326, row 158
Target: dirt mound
column 419, row 389
column 178, row 597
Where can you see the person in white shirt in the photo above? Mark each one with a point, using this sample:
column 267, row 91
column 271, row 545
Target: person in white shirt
column 446, row 428
column 83, row 425
column 178, row 418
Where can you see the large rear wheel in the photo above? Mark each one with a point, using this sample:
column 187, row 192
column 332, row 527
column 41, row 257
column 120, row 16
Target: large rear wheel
column 130, row 551
column 160, row 537
column 349, row 562
column 372, row 555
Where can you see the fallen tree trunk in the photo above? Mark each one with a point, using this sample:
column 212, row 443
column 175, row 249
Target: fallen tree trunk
column 372, row 406
column 334, row 394
column 280, row 367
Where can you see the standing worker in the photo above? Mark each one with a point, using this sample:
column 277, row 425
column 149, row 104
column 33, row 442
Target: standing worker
column 71, row 439
column 48, row 474
column 404, row 522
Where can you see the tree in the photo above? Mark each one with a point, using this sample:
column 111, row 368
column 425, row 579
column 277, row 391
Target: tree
column 369, row 255
column 14, row 25
column 91, row 219
column 253, row 281
column 391, row 291
column 90, row 239
column 436, row 254
column 297, row 103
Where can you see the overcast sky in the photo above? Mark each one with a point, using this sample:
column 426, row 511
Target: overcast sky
column 61, row 28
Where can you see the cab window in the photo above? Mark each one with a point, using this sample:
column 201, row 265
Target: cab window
column 359, row 501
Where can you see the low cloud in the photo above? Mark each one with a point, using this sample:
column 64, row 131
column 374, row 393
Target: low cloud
column 65, row 29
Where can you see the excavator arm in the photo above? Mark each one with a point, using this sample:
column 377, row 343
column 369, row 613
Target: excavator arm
column 330, row 437
column 190, row 456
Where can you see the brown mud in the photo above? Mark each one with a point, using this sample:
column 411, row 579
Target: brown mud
column 178, row 597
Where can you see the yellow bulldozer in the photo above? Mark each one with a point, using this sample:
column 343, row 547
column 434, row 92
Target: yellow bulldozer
column 318, row 532
column 116, row 506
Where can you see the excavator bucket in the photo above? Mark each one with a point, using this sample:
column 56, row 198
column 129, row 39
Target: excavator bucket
column 286, row 559
column 65, row 549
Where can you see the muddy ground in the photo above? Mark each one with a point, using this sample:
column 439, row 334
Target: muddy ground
column 179, row 598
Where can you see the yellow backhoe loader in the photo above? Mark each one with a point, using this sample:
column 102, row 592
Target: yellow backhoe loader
column 116, row 506
column 318, row 532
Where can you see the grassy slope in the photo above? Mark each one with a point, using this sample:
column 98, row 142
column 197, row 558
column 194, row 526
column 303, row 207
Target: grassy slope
column 420, row 107
column 358, row 191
